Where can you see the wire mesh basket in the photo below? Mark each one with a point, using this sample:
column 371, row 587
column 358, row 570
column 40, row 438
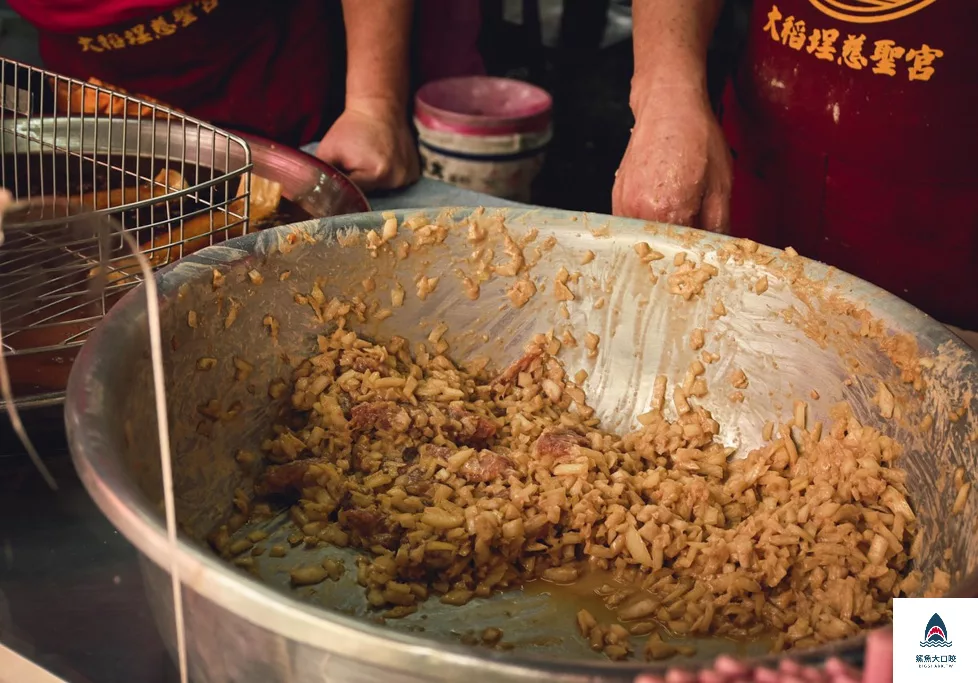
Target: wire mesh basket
column 70, row 148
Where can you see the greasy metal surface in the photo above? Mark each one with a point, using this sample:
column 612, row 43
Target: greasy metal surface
column 314, row 185
column 107, row 631
column 42, row 342
column 241, row 629
column 49, row 150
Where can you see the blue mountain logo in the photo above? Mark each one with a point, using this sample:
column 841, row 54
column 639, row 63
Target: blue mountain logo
column 935, row 634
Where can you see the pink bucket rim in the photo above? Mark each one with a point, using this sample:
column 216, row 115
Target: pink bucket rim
column 433, row 110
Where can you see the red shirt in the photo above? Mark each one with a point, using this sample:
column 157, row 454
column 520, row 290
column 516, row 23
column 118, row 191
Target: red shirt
column 65, row 16
column 855, row 138
column 272, row 68
column 257, row 66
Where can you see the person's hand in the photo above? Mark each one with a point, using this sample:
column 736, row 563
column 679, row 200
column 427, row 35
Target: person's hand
column 728, row 670
column 371, row 142
column 677, row 167
column 878, row 669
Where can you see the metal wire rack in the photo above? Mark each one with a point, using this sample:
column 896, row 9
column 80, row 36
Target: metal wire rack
column 69, row 148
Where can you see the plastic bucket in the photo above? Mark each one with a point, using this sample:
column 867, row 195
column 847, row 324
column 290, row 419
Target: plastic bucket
column 484, row 134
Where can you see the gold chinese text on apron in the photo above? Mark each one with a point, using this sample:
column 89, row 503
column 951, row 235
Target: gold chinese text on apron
column 162, row 26
column 851, row 50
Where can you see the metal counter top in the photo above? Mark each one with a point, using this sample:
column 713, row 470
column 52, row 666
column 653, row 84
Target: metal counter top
column 71, row 594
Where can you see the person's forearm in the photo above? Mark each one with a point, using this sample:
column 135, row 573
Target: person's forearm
column 378, row 36
column 670, row 39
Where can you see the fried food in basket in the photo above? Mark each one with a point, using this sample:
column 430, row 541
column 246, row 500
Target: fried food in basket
column 76, row 100
column 196, row 232
column 168, row 245
column 202, row 229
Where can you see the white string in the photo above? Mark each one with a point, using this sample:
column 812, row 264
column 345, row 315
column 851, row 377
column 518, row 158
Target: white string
column 159, row 392
column 6, row 391
column 8, row 402
column 166, row 463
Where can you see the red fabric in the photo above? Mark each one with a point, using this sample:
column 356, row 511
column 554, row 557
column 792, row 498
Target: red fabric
column 448, row 38
column 872, row 173
column 257, row 66
column 79, row 15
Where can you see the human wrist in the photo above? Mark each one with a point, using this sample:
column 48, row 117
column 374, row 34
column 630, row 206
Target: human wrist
column 384, row 106
column 666, row 99
column 377, row 86
column 673, row 75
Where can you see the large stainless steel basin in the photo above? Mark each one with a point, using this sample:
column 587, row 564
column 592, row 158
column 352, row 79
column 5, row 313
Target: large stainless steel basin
column 790, row 340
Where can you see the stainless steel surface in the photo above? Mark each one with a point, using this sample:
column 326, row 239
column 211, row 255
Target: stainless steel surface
column 314, row 185
column 48, row 249
column 789, row 341
column 72, row 597
column 61, row 137
column 45, row 155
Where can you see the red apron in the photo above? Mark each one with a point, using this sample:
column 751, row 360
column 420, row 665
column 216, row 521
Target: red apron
column 854, row 130
column 447, row 38
column 257, row 66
